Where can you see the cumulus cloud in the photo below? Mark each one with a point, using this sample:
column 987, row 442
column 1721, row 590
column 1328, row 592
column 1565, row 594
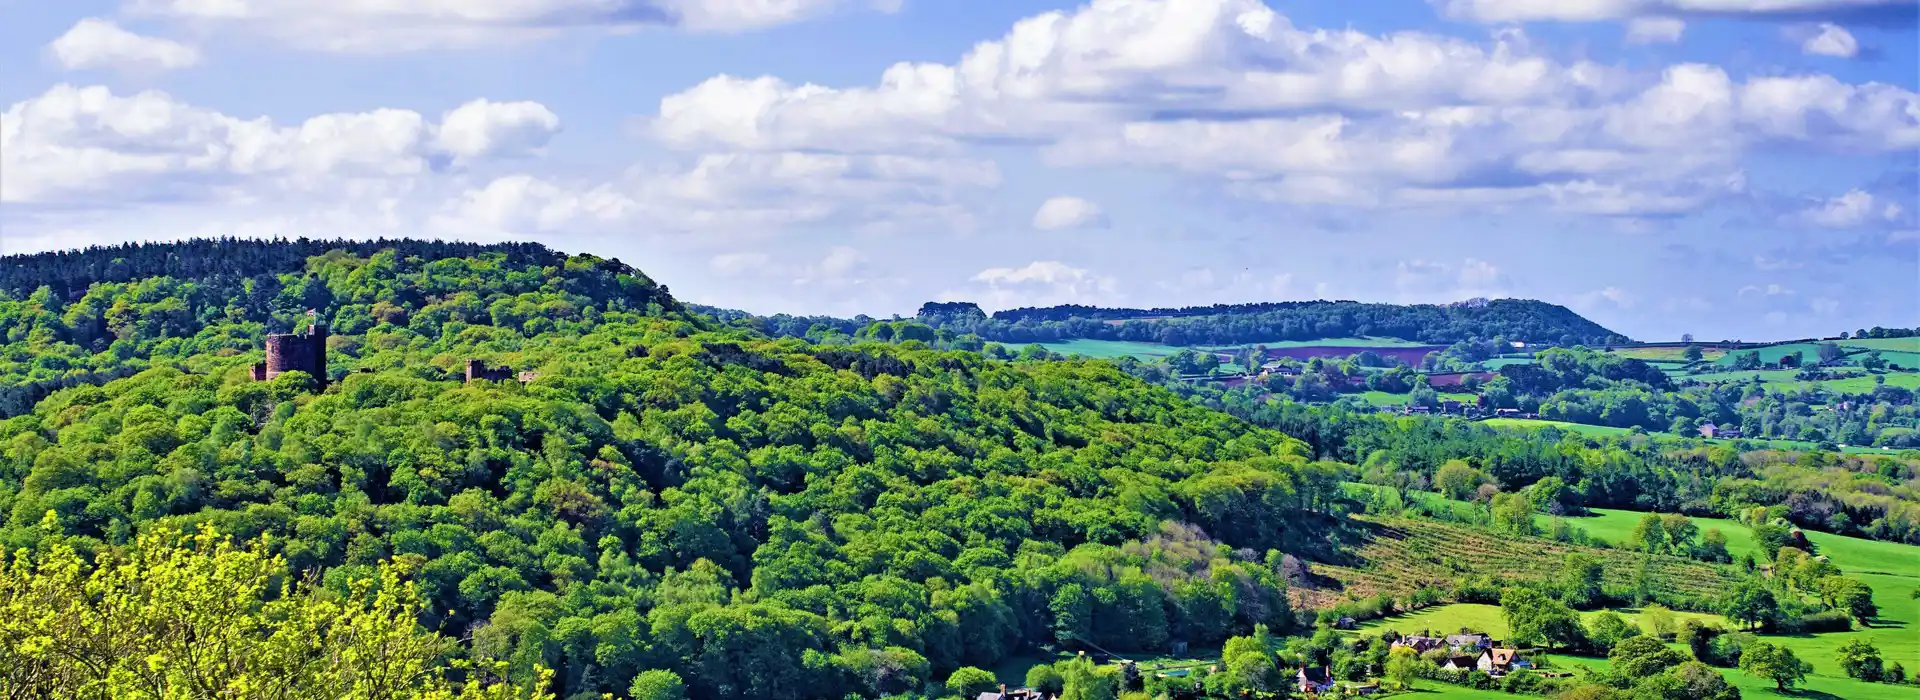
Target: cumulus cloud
column 1061, row 213
column 95, row 43
column 1503, row 11
column 1606, row 296
column 86, row 144
column 387, row 26
column 1426, row 281
column 1655, row 30
column 1231, row 89
column 736, row 193
column 1852, row 209
column 1830, row 39
column 1039, row 283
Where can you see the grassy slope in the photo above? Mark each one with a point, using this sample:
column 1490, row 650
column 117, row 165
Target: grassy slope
column 1889, row 344
column 1891, row 569
column 1381, row 398
column 1397, row 555
column 1107, row 349
column 1605, row 430
column 1773, row 353
column 1670, row 354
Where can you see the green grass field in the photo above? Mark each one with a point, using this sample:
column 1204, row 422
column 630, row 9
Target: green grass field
column 1772, row 353
column 1109, row 349
column 1911, row 345
column 1606, row 431
column 1495, row 364
column 1360, row 342
column 1381, row 398
column 1668, row 354
column 1816, row 687
column 1573, row 427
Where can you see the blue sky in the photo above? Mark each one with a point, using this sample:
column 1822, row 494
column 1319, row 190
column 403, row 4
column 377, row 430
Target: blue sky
column 1741, row 169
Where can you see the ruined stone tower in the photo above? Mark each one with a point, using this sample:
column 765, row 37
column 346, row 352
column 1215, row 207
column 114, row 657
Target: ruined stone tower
column 295, row 352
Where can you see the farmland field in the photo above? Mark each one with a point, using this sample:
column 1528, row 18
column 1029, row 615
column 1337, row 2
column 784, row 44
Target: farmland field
column 1856, row 382
column 1670, row 354
column 1751, row 687
column 1496, row 363
column 1362, row 342
column 1771, row 354
column 1573, row 427
column 1910, row 345
column 1109, row 349
column 1381, row 398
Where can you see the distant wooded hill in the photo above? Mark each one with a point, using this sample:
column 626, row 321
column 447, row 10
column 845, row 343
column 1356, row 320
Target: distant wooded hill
column 1231, row 324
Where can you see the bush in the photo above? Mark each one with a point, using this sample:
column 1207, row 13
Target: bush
column 1816, row 623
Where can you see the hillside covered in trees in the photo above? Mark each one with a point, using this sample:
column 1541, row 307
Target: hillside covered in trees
column 1230, row 324
column 764, row 518
column 672, row 505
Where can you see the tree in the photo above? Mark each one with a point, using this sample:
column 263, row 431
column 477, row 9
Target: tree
column 1774, row 663
column 1458, row 480
column 1581, row 577
column 1082, row 680
column 1535, row 618
column 1403, row 666
column 1658, row 621
column 1648, row 535
column 969, row 682
column 1697, row 681
column 1642, row 656
column 1849, row 594
column 1693, row 353
column 195, row 616
column 1513, row 514
column 1873, row 361
column 1713, row 547
column 1045, row 678
column 1751, row 603
column 658, row 684
column 1247, row 664
column 1861, row 660
column 1607, row 629
column 1830, row 352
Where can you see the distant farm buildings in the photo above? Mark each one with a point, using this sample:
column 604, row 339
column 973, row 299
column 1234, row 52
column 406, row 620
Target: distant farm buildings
column 1712, row 431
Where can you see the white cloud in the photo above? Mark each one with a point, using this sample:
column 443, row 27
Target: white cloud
column 1655, row 30
column 1060, row 213
column 736, row 193
column 85, row 144
column 389, row 26
column 95, row 43
column 483, row 129
column 1615, row 296
column 1503, row 11
column 1425, row 281
column 1040, row 283
column 1852, row 209
column 1231, row 90
column 1831, row 40
column 1771, row 290
column 1767, row 263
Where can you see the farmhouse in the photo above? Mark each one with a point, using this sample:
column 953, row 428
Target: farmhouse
column 1498, row 661
column 1419, row 645
column 1015, row 694
column 1710, row 430
column 1314, row 680
column 1468, row 641
column 1459, row 663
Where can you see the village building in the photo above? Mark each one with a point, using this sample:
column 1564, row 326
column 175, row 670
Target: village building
column 1468, row 641
column 1712, row 431
column 1499, row 661
column 1015, row 694
column 1314, row 679
column 1459, row 663
column 1419, row 644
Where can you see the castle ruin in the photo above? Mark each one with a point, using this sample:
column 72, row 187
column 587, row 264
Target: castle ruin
column 477, row 370
column 295, row 352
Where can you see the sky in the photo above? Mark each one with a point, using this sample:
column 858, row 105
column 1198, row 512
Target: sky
column 1733, row 169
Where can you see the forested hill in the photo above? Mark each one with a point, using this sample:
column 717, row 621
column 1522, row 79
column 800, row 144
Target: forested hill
column 80, row 316
column 1225, row 324
column 1229, row 324
column 764, row 518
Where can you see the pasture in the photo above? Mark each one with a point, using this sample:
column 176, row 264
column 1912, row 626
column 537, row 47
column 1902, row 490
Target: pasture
column 1667, row 354
column 1109, row 349
column 1909, row 345
column 1381, row 398
column 1771, row 354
